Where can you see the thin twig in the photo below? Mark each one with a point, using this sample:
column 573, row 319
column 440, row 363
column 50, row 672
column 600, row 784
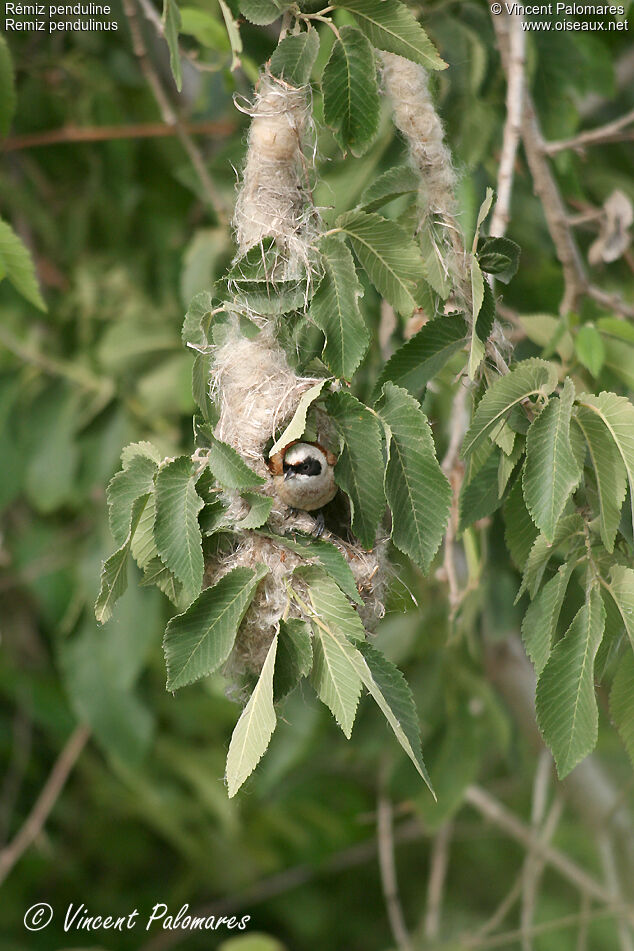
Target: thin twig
column 69, row 135
column 439, row 863
column 45, row 801
column 532, row 864
column 168, row 113
column 598, row 136
column 568, row 921
column 608, row 860
column 454, row 470
column 387, row 866
column 502, row 817
column 512, row 124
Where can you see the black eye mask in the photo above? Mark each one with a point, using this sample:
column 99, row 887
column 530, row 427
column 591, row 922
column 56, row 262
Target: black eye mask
column 309, row 467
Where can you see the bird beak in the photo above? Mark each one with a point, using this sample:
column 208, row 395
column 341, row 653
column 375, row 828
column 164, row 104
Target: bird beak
column 288, row 474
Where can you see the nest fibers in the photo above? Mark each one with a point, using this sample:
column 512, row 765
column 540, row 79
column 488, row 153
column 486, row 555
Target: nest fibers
column 274, row 200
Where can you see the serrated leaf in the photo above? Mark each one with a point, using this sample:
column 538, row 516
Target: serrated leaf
column 609, row 471
column 335, row 310
column 201, row 375
column 17, row 266
column 257, row 279
column 198, row 319
column 621, row 587
column 331, row 606
column 434, row 267
column 540, row 621
column 176, row 529
column 617, row 412
column 295, row 57
column 622, row 702
column 262, row 12
column 590, row 348
column 124, row 488
column 520, row 531
column 294, row 658
column 529, row 378
column 7, row 89
column 508, row 463
column 424, row 355
column 114, row 574
column 566, row 705
column 480, row 497
column 477, row 297
column 551, row 473
column 568, row 527
column 254, row 729
column 483, row 211
column 143, row 547
column 351, row 92
column 171, row 20
column 499, row 256
column 417, row 490
column 389, row 255
column 390, row 26
column 156, row 573
column 356, row 468
column 390, row 690
column 260, row 509
column 198, row 641
column 230, row 469
column 142, row 448
column 396, row 181
column 328, row 556
column 334, row 677
column 297, row 425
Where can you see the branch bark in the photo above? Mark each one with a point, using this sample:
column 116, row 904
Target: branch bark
column 68, row 135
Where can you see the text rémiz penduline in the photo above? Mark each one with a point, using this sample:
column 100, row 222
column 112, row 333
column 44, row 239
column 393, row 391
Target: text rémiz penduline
column 79, row 919
column 51, row 25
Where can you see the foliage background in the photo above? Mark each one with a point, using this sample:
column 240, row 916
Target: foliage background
column 123, row 235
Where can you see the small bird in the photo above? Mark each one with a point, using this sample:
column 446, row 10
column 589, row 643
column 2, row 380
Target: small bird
column 303, row 476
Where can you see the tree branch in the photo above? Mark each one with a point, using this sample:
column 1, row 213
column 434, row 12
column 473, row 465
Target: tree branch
column 387, row 866
column 513, row 124
column 598, row 136
column 144, row 130
column 439, row 863
column 45, row 801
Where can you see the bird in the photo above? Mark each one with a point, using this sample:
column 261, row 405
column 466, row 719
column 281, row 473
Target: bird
column 304, row 478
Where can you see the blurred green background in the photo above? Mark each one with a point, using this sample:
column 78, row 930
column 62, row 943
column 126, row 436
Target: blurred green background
column 123, row 235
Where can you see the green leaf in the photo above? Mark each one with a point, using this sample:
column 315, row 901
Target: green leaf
column 434, row 267
column 295, row 56
column 622, row 702
column 357, row 467
column 483, row 211
column 233, row 32
column 425, row 354
column 520, row 532
column 7, row 89
column 617, row 412
column 529, row 378
column 609, row 471
column 16, row 265
column 334, row 676
column 331, row 606
column 390, row 690
column 390, row 26
column 230, row 469
column 198, row 320
column 351, row 93
column 204, row 26
column 391, row 258
column 258, row 283
column 197, row 642
column 262, row 12
column 568, row 527
column 621, row 587
column 297, row 425
column 176, row 528
column 477, row 296
column 590, row 348
column 171, row 20
column 328, row 556
column 142, row 448
column 124, row 488
column 551, row 473
column 259, row 512
column 540, row 621
column 114, row 574
column 508, row 463
column 294, row 658
column 254, row 729
column 566, row 705
column 156, row 573
column 396, row 181
column 201, row 375
column 480, row 497
column 417, row 491
column 335, row 310
column 499, row 256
